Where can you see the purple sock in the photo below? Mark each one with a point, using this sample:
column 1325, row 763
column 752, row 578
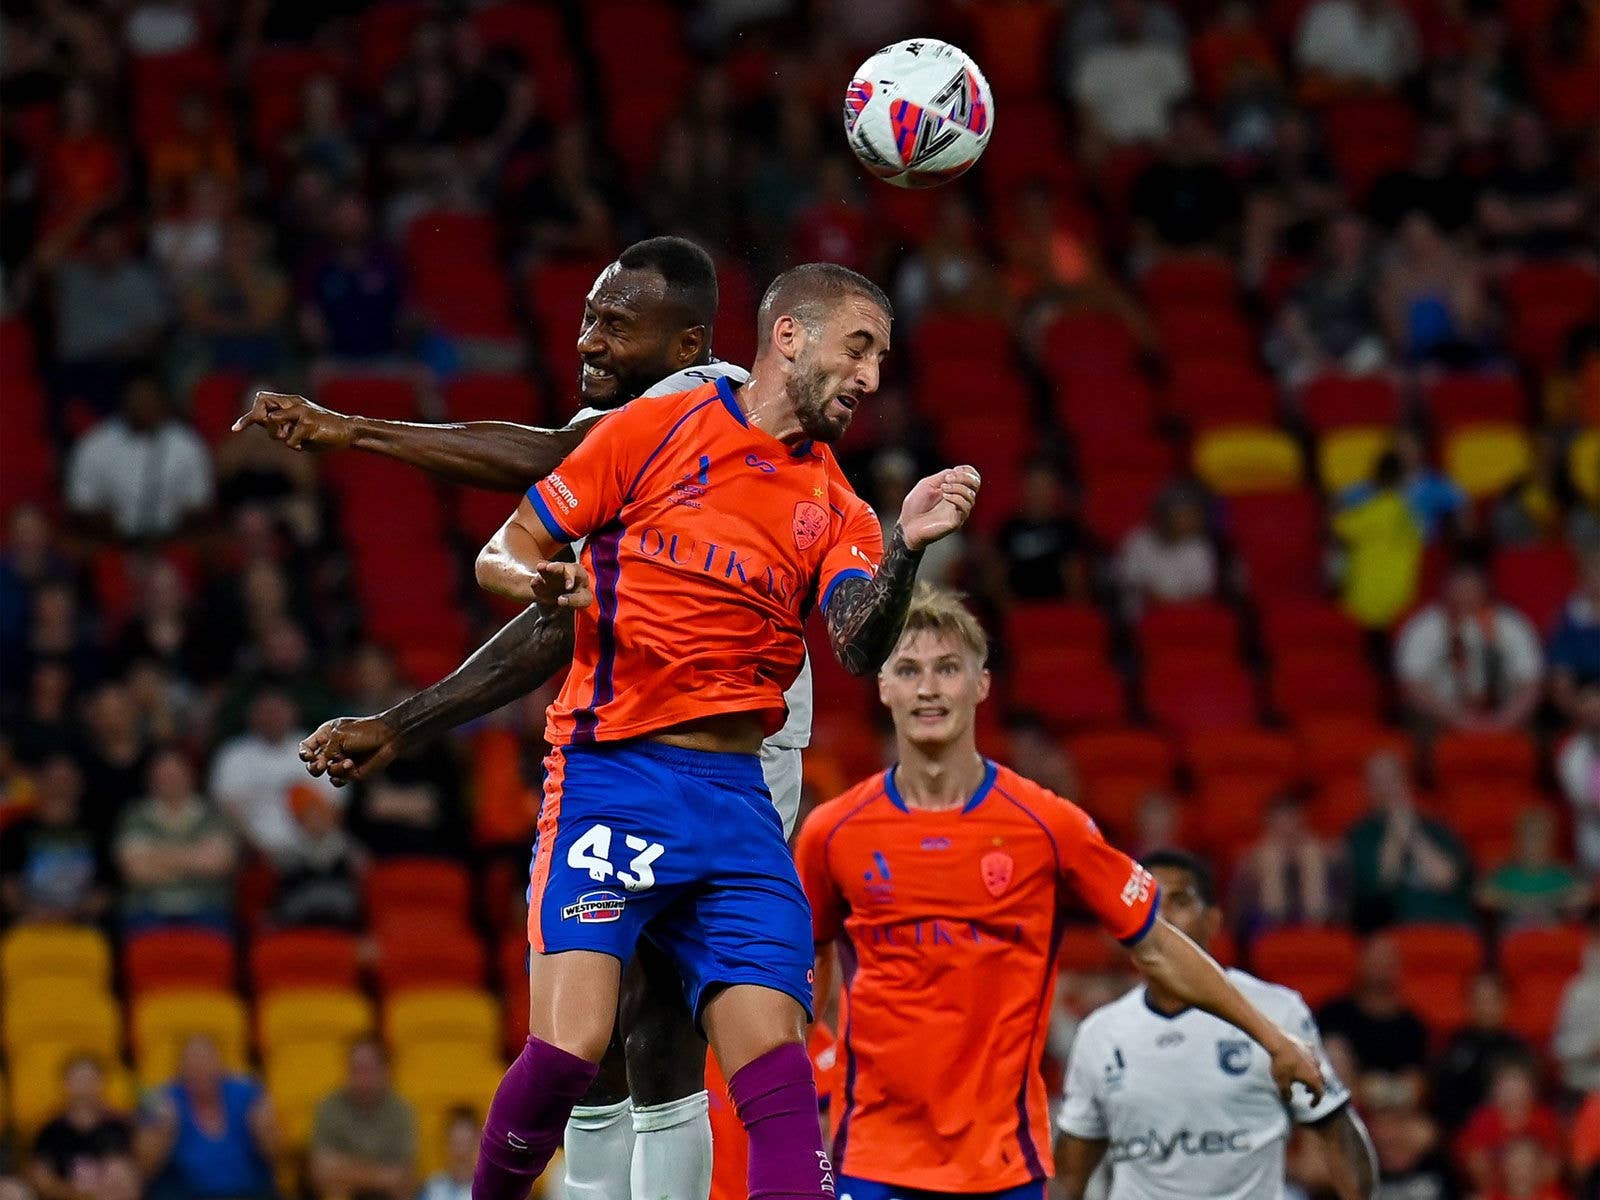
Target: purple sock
column 776, row 1099
column 525, row 1122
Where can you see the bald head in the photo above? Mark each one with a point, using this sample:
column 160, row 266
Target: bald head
column 809, row 292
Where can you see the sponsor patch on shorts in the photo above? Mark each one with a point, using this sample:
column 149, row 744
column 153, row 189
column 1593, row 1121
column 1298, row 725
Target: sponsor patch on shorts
column 595, row 908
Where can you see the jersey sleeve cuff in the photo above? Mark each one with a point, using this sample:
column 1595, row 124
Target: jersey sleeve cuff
column 847, row 573
column 549, row 518
column 1138, row 936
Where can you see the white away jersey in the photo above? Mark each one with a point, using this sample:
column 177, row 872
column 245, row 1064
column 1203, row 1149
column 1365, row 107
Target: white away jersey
column 796, row 731
column 1187, row 1103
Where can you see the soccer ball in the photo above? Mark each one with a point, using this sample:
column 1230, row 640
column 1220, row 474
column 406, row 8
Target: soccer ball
column 918, row 113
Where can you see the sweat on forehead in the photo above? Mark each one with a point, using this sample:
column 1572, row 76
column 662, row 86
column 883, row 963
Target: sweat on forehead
column 809, row 292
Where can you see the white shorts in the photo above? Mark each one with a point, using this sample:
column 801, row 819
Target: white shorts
column 781, row 767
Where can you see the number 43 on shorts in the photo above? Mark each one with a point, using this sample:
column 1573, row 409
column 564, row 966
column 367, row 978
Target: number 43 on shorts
column 592, row 853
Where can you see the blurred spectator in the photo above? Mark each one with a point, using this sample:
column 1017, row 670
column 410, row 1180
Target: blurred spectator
column 319, row 875
column 1528, row 1169
column 1171, row 559
column 1288, row 877
column 1388, row 1039
column 82, row 173
column 1511, row 1112
column 143, row 474
column 1432, row 298
column 1576, row 1044
column 209, row 1133
column 1404, row 866
column 1355, row 45
column 110, row 311
column 375, row 682
column 115, row 759
column 1185, row 200
column 278, row 655
column 87, row 1151
column 1575, row 647
column 1093, row 24
column 51, row 868
column 454, row 1182
column 176, row 853
column 1233, row 52
column 1411, row 1161
column 1038, row 756
column 1535, row 887
column 892, row 476
column 364, row 1136
column 162, row 27
column 47, row 723
column 951, row 271
column 1436, row 500
column 1126, row 84
column 1044, row 545
column 1382, row 537
column 62, row 632
column 1289, row 196
column 1480, row 82
column 323, row 138
column 413, row 808
column 160, row 628
column 352, row 291
column 28, row 559
column 1330, row 322
column 1465, row 1067
column 199, row 148
column 1531, row 205
column 568, row 213
column 167, row 704
column 235, row 310
column 1534, row 508
column 255, row 775
column 1433, row 184
column 1578, row 769
column 186, row 240
column 1467, row 663
column 1157, row 823
column 1586, row 1145
column 835, row 226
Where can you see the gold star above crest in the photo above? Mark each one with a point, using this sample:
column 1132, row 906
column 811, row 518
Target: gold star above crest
column 818, row 492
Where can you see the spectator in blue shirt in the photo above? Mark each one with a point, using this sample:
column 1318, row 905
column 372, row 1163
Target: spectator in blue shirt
column 353, row 290
column 1438, row 501
column 209, row 1134
column 1575, row 647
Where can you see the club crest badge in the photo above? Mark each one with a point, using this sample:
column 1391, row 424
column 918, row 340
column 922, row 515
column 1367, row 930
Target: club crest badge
column 810, row 523
column 997, row 867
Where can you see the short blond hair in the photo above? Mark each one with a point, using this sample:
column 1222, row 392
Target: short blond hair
column 942, row 611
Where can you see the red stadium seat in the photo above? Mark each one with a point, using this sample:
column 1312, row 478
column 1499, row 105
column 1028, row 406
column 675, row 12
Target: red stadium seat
column 216, row 402
column 427, row 951
column 295, row 958
column 1439, row 999
column 1340, row 401
column 494, row 398
column 1114, row 802
column 383, row 36
column 1189, row 695
column 1205, row 334
column 1316, row 962
column 1369, row 137
column 1089, row 342
column 468, row 299
column 555, row 292
column 1169, row 629
column 737, row 298
column 1210, row 393
column 941, row 339
column 1295, row 624
column 1117, row 752
column 962, row 389
column 434, row 886
column 178, row 958
column 1537, row 580
column 1547, row 302
column 278, row 76
column 1476, row 398
column 1104, row 406
column 1439, row 949
column 390, row 397
column 1013, row 42
column 1338, row 804
column 1031, row 146
column 479, row 513
column 1272, row 759
column 1567, row 90
column 1227, row 814
column 1484, row 816
column 537, row 31
column 1044, row 623
column 1069, row 689
column 1555, row 951
column 1190, row 281
column 1279, row 539
column 1342, row 745
column 1534, row 1005
column 1313, row 683
column 1484, row 757
column 1088, row 950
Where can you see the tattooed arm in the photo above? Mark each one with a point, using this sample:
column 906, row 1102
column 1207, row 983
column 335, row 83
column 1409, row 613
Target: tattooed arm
column 865, row 616
column 522, row 656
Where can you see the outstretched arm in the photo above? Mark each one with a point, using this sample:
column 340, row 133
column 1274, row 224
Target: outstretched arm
column 526, row 652
column 1348, row 1152
column 865, row 616
column 1076, row 1161
column 497, row 455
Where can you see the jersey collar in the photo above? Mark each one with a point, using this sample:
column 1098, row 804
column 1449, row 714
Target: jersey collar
column 731, row 402
column 990, row 771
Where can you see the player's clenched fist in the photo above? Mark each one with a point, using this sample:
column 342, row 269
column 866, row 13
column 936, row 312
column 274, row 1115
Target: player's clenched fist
column 1292, row 1063
column 297, row 422
column 939, row 505
column 350, row 749
column 560, row 585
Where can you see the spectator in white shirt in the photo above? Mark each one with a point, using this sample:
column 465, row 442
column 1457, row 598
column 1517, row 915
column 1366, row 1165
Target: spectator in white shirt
column 255, row 775
column 1578, row 770
column 461, row 1154
column 1357, row 43
column 1171, row 559
column 1468, row 664
column 1576, row 1042
column 1127, row 86
column 140, row 474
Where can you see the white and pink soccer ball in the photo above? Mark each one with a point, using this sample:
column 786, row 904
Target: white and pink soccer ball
column 918, row 113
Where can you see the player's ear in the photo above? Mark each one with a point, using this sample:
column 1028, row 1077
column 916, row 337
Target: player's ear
column 984, row 681
column 692, row 344
column 788, row 336
column 883, row 685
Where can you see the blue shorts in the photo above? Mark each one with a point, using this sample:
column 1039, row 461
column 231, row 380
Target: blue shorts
column 638, row 839
column 851, row 1188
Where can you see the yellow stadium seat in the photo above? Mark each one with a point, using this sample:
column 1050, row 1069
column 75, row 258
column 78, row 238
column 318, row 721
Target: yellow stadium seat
column 326, row 1018
column 457, row 1016
column 297, row 1079
column 66, row 1020
column 434, row 1089
column 1485, row 459
column 163, row 1021
column 37, row 1091
column 1247, row 459
column 1583, row 461
column 1346, row 457
column 69, row 954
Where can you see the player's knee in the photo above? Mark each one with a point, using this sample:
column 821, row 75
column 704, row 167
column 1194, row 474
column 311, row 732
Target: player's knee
column 610, row 1084
column 666, row 1058
column 745, row 1022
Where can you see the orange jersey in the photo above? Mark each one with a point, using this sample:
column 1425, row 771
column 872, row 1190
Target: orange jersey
column 949, row 924
column 709, row 541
